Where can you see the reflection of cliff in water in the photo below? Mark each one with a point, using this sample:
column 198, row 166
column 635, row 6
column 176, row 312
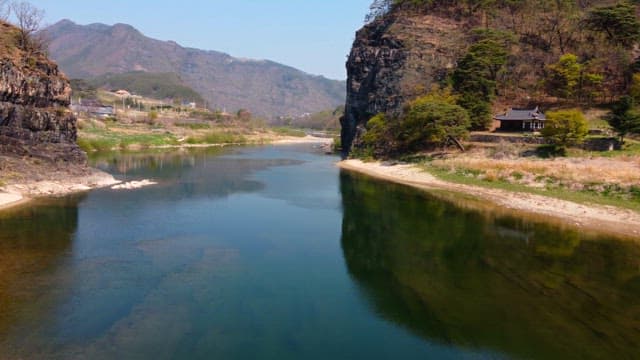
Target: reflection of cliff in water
column 464, row 278
column 34, row 240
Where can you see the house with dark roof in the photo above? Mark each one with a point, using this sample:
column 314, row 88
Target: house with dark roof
column 522, row 120
column 93, row 108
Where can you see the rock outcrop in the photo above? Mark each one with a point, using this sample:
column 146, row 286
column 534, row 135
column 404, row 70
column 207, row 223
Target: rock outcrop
column 35, row 119
column 394, row 59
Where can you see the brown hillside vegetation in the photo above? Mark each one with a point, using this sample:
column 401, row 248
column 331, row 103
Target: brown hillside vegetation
column 494, row 54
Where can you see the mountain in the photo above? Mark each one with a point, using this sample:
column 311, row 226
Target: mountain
column 264, row 87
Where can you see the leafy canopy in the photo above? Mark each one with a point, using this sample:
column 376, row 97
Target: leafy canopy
column 565, row 127
column 429, row 123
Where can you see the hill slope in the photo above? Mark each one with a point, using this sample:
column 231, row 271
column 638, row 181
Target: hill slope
column 153, row 85
column 264, row 87
column 569, row 54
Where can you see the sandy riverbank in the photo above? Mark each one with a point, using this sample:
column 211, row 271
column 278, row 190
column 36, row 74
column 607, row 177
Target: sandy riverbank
column 606, row 219
column 19, row 193
column 303, row 140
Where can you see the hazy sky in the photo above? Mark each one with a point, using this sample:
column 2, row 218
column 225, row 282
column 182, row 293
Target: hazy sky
column 312, row 35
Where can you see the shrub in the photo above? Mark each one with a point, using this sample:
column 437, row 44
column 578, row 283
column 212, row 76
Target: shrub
column 565, row 127
column 427, row 124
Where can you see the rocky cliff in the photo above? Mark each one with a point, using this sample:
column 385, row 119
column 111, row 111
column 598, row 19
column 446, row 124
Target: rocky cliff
column 394, row 59
column 35, row 119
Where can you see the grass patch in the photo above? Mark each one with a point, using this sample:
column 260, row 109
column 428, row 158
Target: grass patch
column 627, row 199
column 194, row 126
column 217, row 137
column 98, row 139
column 287, row 131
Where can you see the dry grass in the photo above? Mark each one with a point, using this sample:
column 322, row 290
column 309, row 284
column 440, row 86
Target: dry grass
column 571, row 173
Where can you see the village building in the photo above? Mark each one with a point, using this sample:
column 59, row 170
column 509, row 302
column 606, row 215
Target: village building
column 522, row 120
column 93, row 108
column 123, row 93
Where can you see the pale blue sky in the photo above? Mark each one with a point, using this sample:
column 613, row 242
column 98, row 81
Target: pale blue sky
column 312, row 35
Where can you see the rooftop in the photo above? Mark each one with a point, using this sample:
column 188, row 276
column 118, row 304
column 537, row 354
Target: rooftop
column 522, row 114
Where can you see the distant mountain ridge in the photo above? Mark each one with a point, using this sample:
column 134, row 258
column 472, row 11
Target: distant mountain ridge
column 264, row 87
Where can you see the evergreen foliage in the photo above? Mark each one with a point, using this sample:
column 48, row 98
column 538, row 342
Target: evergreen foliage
column 625, row 117
column 476, row 75
column 619, row 23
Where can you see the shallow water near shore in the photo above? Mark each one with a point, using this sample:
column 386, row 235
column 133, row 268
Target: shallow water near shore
column 273, row 253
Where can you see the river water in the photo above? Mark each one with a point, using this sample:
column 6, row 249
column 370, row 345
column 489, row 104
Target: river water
column 273, row 253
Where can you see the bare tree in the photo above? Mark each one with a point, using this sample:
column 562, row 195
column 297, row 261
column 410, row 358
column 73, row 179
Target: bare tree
column 28, row 19
column 5, row 10
column 377, row 9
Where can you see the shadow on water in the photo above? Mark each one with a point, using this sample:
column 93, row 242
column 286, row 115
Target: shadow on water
column 34, row 241
column 468, row 279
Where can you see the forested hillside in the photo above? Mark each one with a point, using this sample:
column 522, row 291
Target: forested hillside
column 489, row 55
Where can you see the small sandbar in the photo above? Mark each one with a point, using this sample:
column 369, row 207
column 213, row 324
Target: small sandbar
column 303, row 140
column 7, row 200
column 132, row 185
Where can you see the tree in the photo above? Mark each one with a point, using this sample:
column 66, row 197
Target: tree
column 427, row 123
column 619, row 23
column 475, row 77
column 564, row 76
column 28, row 19
column 377, row 9
column 376, row 138
column 569, row 79
column 244, row 115
column 479, row 111
column 565, row 127
column 625, row 118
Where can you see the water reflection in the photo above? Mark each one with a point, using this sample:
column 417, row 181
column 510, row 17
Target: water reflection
column 34, row 242
column 470, row 279
column 188, row 173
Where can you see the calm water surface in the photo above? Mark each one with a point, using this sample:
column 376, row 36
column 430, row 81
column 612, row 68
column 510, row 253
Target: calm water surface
column 272, row 253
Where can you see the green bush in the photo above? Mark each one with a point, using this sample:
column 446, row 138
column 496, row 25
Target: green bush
column 428, row 122
column 565, row 127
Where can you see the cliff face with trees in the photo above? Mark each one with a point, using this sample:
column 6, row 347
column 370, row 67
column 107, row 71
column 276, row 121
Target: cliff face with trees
column 491, row 55
column 35, row 119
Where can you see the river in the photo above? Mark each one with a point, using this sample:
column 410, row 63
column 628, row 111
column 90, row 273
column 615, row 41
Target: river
column 273, row 253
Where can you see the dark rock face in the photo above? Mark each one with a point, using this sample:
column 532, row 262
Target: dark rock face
column 34, row 116
column 372, row 85
column 393, row 60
